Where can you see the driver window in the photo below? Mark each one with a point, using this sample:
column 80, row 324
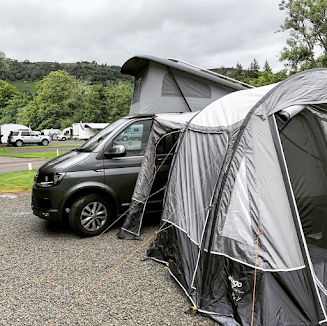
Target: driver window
column 135, row 137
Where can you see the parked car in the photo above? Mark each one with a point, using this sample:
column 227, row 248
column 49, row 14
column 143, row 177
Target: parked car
column 94, row 183
column 22, row 137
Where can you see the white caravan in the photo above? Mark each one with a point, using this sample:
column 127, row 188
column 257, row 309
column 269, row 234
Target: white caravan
column 52, row 133
column 7, row 127
column 85, row 131
column 65, row 134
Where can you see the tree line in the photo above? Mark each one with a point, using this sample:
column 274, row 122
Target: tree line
column 84, row 91
column 62, row 100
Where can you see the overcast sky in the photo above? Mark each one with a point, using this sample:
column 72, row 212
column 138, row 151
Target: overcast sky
column 207, row 33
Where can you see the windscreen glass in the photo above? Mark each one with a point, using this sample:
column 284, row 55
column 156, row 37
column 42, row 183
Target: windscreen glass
column 93, row 142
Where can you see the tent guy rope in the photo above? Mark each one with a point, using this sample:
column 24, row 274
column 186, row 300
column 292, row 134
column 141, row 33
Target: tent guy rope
column 255, row 276
column 103, row 279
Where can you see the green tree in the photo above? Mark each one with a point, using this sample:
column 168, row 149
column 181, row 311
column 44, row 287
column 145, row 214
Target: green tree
column 306, row 21
column 7, row 92
column 118, row 100
column 95, row 105
column 58, row 97
column 10, row 111
column 254, row 69
column 266, row 67
column 26, row 114
column 3, row 61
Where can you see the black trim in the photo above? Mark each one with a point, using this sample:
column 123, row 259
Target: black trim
column 176, row 82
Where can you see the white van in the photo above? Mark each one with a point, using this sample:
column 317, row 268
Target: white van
column 134, row 132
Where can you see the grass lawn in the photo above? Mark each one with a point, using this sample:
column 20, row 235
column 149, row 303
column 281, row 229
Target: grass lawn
column 16, row 181
column 38, row 147
column 28, row 87
column 41, row 155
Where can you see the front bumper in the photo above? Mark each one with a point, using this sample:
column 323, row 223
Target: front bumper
column 46, row 204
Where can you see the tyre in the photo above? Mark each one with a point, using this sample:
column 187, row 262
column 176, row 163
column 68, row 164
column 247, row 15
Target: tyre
column 44, row 142
column 63, row 138
column 89, row 215
column 19, row 143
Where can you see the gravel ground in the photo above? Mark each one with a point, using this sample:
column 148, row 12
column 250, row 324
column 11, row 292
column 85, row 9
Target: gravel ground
column 31, row 250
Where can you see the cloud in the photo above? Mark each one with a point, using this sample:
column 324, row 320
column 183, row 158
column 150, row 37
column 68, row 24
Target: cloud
column 210, row 33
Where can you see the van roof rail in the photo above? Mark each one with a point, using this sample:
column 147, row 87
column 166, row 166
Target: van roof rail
column 211, row 72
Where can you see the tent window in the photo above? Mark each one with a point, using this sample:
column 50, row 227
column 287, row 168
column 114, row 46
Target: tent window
column 188, row 86
column 137, row 91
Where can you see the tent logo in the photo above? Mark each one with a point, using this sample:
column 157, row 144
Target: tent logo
column 236, row 285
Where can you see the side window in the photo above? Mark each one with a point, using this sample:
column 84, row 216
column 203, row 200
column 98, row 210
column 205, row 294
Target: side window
column 168, row 144
column 137, row 91
column 135, row 137
column 25, row 133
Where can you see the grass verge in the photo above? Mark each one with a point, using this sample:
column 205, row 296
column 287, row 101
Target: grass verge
column 17, row 181
column 38, row 147
column 40, row 155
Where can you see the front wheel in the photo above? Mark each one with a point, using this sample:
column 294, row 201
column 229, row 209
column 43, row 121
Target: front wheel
column 89, row 215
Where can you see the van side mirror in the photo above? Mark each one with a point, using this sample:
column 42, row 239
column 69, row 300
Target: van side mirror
column 116, row 151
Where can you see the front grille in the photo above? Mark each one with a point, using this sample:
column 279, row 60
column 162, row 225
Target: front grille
column 41, row 202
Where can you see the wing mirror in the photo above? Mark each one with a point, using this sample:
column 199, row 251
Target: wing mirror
column 116, row 151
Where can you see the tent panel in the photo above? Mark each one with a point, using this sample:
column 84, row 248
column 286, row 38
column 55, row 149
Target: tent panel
column 225, row 287
column 307, row 87
column 237, row 225
column 232, row 108
column 279, row 239
column 193, row 180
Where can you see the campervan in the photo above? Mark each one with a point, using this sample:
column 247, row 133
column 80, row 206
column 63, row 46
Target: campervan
column 91, row 185
column 5, row 130
column 65, row 134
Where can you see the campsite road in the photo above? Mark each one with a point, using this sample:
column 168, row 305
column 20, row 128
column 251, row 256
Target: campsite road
column 14, row 164
column 31, row 250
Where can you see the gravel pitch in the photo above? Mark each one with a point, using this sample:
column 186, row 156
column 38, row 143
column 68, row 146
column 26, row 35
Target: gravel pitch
column 138, row 293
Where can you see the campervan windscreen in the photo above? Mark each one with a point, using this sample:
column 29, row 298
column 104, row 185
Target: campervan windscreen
column 93, row 142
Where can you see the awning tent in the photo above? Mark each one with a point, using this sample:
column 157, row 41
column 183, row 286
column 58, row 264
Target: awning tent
column 244, row 222
column 163, row 85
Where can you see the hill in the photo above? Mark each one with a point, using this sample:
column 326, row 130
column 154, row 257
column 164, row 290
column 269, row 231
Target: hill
column 28, row 72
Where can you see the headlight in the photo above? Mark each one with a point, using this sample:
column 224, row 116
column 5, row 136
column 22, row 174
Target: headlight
column 48, row 180
column 36, row 175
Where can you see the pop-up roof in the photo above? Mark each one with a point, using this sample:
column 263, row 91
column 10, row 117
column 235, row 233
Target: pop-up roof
column 169, row 85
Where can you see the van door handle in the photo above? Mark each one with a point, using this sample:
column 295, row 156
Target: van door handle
column 100, row 170
column 160, row 159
